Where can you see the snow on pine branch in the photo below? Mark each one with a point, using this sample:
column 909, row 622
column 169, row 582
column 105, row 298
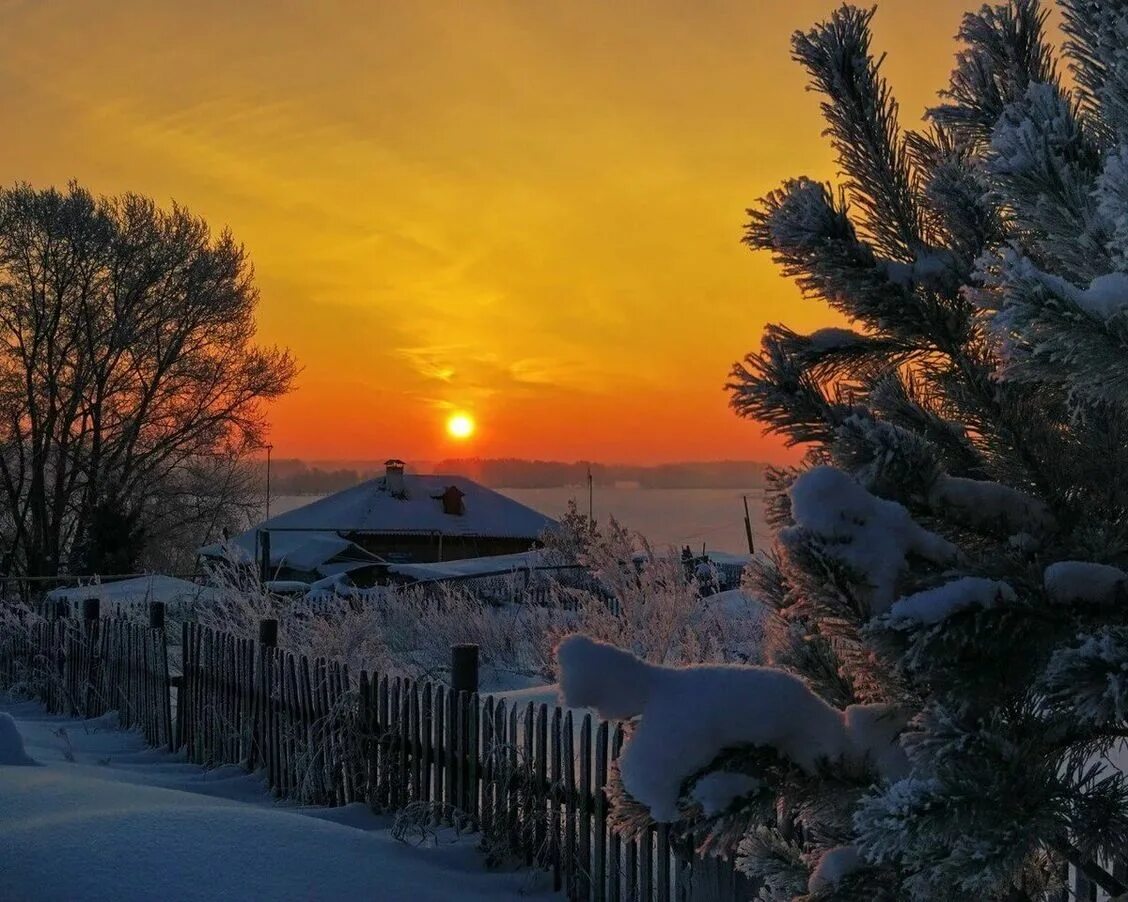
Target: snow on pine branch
column 1085, row 582
column 1044, row 165
column 1091, row 678
column 1054, row 331
column 801, row 216
column 1097, row 44
column 983, row 505
column 689, row 715
column 938, row 604
column 861, row 118
column 834, row 866
column 871, row 536
column 715, row 791
column 1106, row 296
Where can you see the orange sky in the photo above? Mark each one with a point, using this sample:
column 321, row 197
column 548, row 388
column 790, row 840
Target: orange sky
column 527, row 210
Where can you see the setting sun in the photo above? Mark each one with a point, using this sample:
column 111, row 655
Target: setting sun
column 460, row 426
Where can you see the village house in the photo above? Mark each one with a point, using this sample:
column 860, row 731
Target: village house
column 398, row 518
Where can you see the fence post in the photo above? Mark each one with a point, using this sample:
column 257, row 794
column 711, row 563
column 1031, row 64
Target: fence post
column 464, row 668
column 264, row 546
column 262, row 730
column 62, row 609
column 91, row 610
column 165, row 682
column 268, row 633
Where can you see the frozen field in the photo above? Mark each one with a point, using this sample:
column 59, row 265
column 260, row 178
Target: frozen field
column 678, row 517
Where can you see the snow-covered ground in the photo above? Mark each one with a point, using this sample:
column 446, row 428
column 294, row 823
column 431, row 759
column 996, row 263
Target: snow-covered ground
column 100, row 816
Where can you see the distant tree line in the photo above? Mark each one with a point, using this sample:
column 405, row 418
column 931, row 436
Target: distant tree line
column 293, row 477
column 513, row 473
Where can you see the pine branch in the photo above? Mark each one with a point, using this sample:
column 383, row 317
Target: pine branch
column 1006, row 51
column 1096, row 41
column 861, row 117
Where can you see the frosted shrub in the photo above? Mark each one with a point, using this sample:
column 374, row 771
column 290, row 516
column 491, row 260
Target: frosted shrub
column 408, row 631
column 241, row 600
column 614, row 586
column 642, row 598
column 17, row 620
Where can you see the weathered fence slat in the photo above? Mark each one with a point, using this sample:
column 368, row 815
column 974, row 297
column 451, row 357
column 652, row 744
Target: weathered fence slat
column 540, row 786
column 614, row 844
column 314, row 785
column 584, row 887
column 440, row 747
column 662, row 881
column 571, row 809
column 472, row 731
column 532, row 830
column 414, row 732
column 646, row 864
column 554, row 802
column 600, row 873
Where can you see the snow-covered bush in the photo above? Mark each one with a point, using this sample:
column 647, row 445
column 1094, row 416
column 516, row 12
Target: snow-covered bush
column 644, row 598
column 947, row 669
column 241, row 600
column 394, row 630
column 22, row 676
column 409, row 630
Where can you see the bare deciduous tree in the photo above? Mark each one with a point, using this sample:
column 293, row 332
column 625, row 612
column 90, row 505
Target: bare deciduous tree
column 128, row 371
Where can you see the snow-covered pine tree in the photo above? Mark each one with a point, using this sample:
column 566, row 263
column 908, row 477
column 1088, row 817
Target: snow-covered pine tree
column 949, row 663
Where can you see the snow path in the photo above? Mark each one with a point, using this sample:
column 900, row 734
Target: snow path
column 107, row 818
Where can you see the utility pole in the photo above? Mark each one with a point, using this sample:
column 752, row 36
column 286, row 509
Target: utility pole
column 748, row 527
column 269, row 448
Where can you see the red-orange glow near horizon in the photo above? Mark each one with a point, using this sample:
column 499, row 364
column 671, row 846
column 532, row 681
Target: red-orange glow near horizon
column 531, row 210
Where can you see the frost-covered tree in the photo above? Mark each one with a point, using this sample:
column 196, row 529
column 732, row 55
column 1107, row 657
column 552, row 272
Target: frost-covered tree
column 947, row 688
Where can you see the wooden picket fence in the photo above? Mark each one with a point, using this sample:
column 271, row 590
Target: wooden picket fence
column 530, row 777
column 86, row 668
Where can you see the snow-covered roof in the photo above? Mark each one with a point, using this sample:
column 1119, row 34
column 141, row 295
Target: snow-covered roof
column 475, row 566
column 310, row 551
column 152, row 587
column 370, row 508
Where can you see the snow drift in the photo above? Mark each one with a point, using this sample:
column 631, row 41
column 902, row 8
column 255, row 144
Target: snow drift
column 11, row 743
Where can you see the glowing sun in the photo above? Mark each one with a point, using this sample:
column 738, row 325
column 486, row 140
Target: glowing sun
column 460, row 426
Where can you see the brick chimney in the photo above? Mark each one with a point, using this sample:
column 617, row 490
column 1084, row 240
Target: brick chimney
column 393, row 478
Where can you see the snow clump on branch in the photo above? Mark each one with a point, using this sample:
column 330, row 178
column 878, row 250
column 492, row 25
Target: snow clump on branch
column 870, row 535
column 689, row 715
